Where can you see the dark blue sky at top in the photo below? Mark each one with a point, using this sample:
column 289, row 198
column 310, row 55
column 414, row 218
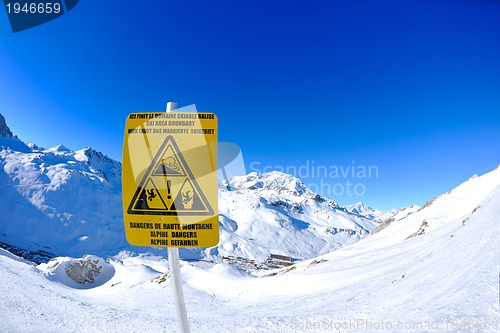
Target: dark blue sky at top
column 411, row 87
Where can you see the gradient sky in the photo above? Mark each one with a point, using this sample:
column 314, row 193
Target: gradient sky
column 410, row 87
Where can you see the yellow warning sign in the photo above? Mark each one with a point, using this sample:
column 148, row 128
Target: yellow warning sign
column 169, row 179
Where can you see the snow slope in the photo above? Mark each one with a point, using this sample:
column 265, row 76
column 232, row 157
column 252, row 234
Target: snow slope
column 442, row 279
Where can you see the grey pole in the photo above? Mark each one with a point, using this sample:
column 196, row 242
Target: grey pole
column 175, row 273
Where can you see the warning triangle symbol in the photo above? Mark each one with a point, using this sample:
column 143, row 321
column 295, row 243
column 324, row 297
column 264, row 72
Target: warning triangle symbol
column 169, row 164
column 188, row 198
column 168, row 187
column 149, row 198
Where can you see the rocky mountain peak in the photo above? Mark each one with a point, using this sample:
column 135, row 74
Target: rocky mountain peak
column 4, row 129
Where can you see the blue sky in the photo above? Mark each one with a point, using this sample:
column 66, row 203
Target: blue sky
column 409, row 87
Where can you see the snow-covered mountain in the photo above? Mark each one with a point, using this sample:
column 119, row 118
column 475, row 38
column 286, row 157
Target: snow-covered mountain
column 371, row 213
column 433, row 270
column 276, row 213
column 58, row 200
column 69, row 203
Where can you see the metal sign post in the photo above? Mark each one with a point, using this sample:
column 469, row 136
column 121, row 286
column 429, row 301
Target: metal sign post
column 175, row 273
column 169, row 186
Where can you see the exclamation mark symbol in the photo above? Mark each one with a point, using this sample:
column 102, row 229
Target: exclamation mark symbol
column 169, row 183
column 170, row 200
